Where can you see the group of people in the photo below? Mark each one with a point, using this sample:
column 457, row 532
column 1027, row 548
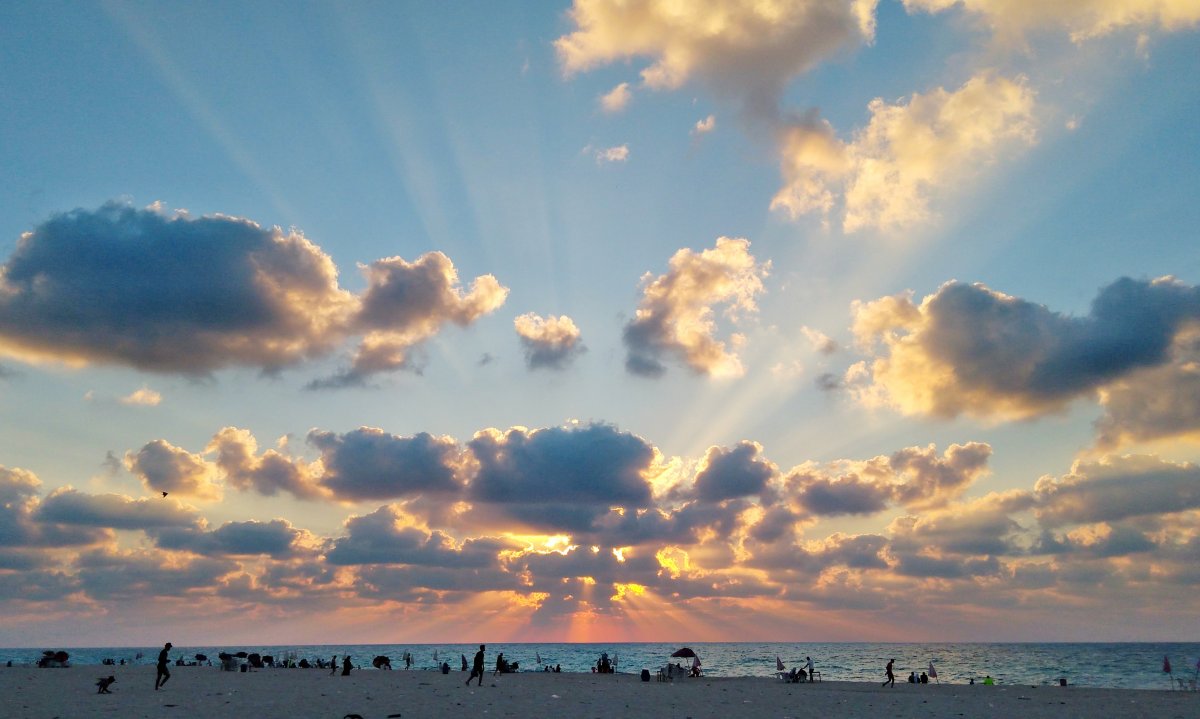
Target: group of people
column 801, row 674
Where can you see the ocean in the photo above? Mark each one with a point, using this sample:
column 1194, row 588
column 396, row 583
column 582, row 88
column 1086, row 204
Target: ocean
column 1118, row 665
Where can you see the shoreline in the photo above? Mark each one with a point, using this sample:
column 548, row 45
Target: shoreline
column 288, row 693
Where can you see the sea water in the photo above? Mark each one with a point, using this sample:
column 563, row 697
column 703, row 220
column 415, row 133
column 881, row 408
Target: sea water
column 1118, row 665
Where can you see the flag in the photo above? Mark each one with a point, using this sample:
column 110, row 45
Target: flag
column 778, row 664
column 695, row 662
column 539, row 657
column 932, row 671
column 435, row 656
column 1166, row 665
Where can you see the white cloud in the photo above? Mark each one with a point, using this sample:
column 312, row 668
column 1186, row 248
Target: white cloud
column 705, row 126
column 619, row 153
column 144, row 397
column 887, row 176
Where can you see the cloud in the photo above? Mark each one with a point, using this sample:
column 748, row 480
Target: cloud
column 406, row 303
column 277, row 539
column 20, row 522
column 113, row 511
column 1156, row 403
column 821, row 342
column 887, row 176
column 549, row 342
column 970, row 350
column 128, row 575
column 732, row 473
column 705, row 126
column 176, row 294
column 743, row 50
column 607, row 155
column 382, row 538
column 237, row 457
column 1011, row 20
column 144, row 397
column 616, row 99
column 167, row 294
column 914, row 477
column 368, row 463
column 163, row 467
column 560, row 479
column 1115, row 488
column 674, row 316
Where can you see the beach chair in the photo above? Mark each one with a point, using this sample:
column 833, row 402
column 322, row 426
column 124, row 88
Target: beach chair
column 1186, row 685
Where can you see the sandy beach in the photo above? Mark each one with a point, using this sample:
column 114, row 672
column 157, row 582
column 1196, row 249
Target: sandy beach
column 279, row 693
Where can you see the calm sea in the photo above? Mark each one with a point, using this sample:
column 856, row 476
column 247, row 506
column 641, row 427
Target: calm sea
column 1123, row 665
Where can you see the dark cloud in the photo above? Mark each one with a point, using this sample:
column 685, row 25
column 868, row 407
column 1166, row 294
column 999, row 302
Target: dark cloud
column 167, row 294
column 382, row 538
column 114, row 511
column 1115, row 488
column 406, row 303
column 848, row 494
column 277, row 539
column 21, row 524
column 924, row 566
column 108, row 574
column 589, row 468
column 969, row 349
column 1156, row 403
column 369, row 463
column 733, row 473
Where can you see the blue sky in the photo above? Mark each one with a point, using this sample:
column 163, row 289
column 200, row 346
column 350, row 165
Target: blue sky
column 625, row 320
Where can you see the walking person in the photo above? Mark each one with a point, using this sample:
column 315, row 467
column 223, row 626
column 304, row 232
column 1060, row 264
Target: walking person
column 163, row 674
column 477, row 666
column 891, row 678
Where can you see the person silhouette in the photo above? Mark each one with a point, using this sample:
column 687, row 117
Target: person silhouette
column 891, row 678
column 477, row 666
column 163, row 674
column 346, row 666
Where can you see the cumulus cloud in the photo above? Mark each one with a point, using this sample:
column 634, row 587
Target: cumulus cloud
column 732, row 473
column 705, row 126
column 914, row 477
column 1156, row 403
column 888, row 174
column 675, row 314
column 163, row 467
column 743, row 50
column 549, row 342
column 1082, row 19
column 21, row 524
column 368, row 463
column 1115, row 488
column 383, row 537
column 821, row 342
column 406, row 303
column 560, row 479
column 172, row 293
column 616, row 99
column 167, row 294
column 242, row 467
column 968, row 349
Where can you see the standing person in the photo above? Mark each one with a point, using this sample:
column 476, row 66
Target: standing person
column 163, row 673
column 809, row 667
column 891, row 678
column 346, row 666
column 333, row 665
column 477, row 666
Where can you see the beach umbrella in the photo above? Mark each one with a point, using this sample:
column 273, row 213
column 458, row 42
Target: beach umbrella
column 201, row 658
column 779, row 664
column 241, row 655
column 686, row 652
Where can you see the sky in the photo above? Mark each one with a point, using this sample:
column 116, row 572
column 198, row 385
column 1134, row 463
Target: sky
column 604, row 320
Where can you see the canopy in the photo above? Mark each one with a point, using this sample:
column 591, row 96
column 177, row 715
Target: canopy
column 685, row 652
column 201, row 657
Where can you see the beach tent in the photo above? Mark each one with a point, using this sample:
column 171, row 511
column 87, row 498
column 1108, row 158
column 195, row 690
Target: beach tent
column 684, row 653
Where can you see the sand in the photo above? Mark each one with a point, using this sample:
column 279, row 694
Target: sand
column 277, row 693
